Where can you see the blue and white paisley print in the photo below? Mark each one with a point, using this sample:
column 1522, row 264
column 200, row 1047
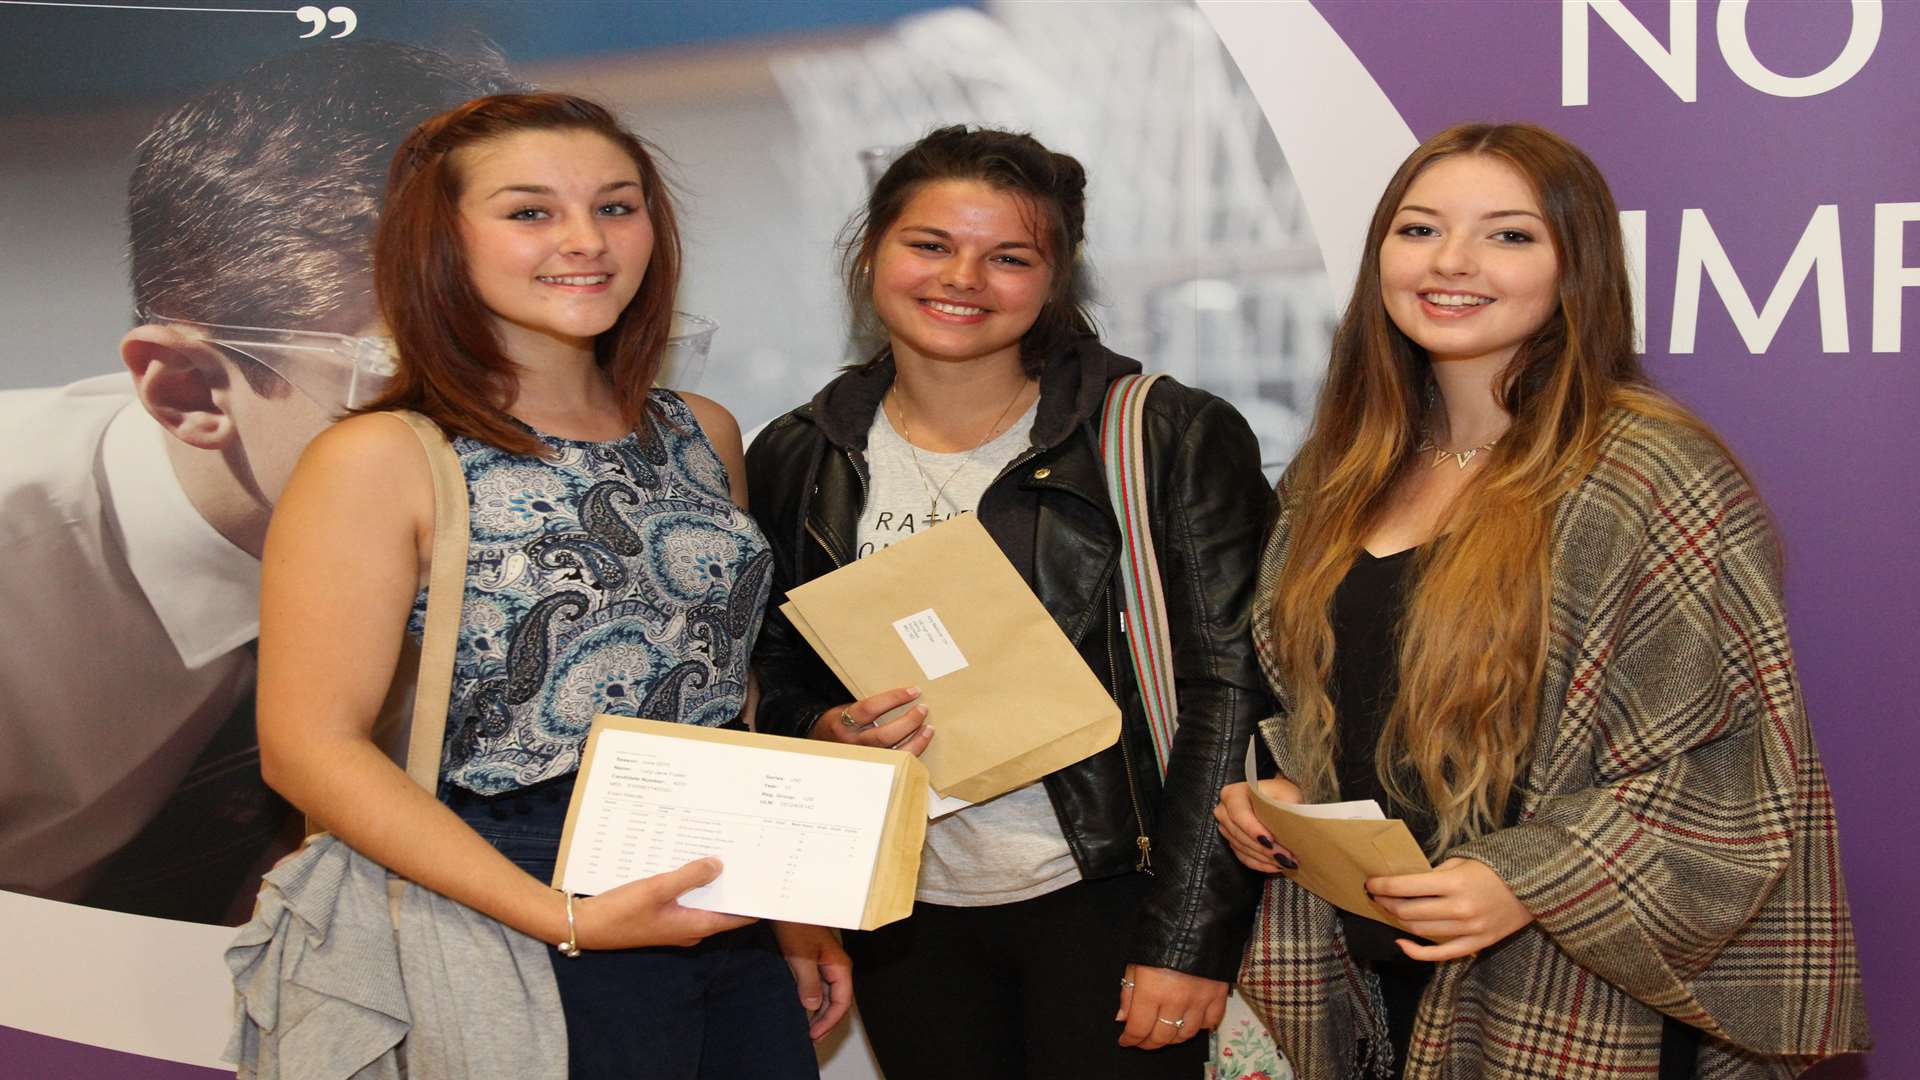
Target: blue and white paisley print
column 613, row 577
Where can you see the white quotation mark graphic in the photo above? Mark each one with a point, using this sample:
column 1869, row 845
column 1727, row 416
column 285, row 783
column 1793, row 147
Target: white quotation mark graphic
column 318, row 19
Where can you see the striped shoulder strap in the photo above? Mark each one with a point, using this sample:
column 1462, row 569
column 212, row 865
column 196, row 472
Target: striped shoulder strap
column 1148, row 646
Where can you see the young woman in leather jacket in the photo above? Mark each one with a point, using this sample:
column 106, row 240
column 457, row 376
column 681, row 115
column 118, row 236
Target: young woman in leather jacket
column 1098, row 886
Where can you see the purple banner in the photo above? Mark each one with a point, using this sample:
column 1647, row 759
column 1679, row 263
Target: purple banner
column 43, row 1058
column 1804, row 372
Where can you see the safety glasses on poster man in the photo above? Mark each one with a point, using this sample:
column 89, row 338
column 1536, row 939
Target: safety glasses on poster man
column 347, row 371
column 335, row 370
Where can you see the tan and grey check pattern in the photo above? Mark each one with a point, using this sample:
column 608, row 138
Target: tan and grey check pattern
column 1676, row 842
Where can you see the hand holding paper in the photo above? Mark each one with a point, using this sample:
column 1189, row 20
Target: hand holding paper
column 1338, row 847
column 889, row 720
column 1243, row 831
column 806, row 831
column 947, row 613
column 1461, row 903
column 648, row 912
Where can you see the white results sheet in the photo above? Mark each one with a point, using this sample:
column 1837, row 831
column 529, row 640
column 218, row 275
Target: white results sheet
column 797, row 833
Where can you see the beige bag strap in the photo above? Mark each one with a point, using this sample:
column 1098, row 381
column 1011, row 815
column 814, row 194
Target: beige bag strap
column 446, row 594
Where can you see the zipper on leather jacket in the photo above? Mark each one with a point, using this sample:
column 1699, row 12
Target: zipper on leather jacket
column 860, row 475
column 1020, row 459
column 824, row 546
column 1141, row 840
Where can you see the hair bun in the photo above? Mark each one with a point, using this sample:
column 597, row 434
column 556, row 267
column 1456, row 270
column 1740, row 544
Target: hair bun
column 1069, row 177
column 1070, row 191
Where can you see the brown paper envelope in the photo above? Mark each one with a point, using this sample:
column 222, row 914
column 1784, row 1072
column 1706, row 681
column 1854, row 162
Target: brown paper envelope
column 1016, row 772
column 1024, row 704
column 896, row 865
column 799, row 622
column 1337, row 856
column 1013, row 773
column 805, row 628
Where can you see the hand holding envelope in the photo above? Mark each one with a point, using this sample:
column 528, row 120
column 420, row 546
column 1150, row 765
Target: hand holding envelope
column 945, row 611
column 893, row 719
column 1339, row 846
column 806, row 831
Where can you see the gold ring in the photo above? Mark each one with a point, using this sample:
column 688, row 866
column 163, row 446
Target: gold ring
column 847, row 720
column 1176, row 1023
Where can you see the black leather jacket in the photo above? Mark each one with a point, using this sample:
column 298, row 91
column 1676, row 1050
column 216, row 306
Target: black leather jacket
column 1209, row 507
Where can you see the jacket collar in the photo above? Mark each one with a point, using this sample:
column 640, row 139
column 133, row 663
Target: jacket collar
column 1073, row 386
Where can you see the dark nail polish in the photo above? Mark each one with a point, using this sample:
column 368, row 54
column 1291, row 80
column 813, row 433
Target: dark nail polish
column 1265, row 842
column 1286, row 861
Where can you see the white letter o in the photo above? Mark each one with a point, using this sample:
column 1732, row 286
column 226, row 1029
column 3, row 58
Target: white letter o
column 1731, row 26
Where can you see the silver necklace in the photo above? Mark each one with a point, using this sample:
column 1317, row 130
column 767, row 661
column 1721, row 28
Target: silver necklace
column 1460, row 457
column 933, row 493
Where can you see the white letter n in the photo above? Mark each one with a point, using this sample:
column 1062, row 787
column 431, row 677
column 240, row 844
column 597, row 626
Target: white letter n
column 1677, row 64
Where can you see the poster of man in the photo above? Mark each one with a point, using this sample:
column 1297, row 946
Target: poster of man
column 139, row 485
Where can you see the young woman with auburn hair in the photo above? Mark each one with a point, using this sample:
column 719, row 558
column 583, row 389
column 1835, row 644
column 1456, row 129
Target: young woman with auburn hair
column 1532, row 606
column 526, row 266
column 457, row 369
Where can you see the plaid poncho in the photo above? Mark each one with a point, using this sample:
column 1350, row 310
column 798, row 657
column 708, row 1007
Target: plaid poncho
column 1676, row 839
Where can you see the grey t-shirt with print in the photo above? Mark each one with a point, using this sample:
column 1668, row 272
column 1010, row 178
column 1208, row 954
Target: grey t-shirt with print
column 1006, row 849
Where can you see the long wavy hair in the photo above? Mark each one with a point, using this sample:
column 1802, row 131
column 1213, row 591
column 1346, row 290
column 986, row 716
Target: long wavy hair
column 1473, row 637
column 452, row 367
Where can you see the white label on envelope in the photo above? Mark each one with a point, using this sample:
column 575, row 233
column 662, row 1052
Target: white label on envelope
column 932, row 647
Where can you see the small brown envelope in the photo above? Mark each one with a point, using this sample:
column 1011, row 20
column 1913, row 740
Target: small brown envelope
column 1338, row 854
column 1009, row 697
column 750, row 800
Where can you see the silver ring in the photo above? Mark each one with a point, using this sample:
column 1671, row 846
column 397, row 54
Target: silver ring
column 847, row 720
column 1126, row 983
column 1176, row 1023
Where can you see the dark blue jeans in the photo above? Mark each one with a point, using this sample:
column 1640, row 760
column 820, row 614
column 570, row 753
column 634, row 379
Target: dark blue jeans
column 723, row 1009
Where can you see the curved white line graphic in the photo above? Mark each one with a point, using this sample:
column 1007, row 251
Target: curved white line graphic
column 146, row 986
column 1341, row 136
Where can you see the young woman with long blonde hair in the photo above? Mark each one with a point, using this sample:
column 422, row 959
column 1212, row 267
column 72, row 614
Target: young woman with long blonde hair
column 1532, row 605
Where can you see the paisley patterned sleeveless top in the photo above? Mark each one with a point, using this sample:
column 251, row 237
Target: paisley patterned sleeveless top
column 614, row 577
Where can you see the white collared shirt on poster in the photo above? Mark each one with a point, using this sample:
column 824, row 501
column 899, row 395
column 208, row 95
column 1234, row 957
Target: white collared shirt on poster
column 127, row 619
